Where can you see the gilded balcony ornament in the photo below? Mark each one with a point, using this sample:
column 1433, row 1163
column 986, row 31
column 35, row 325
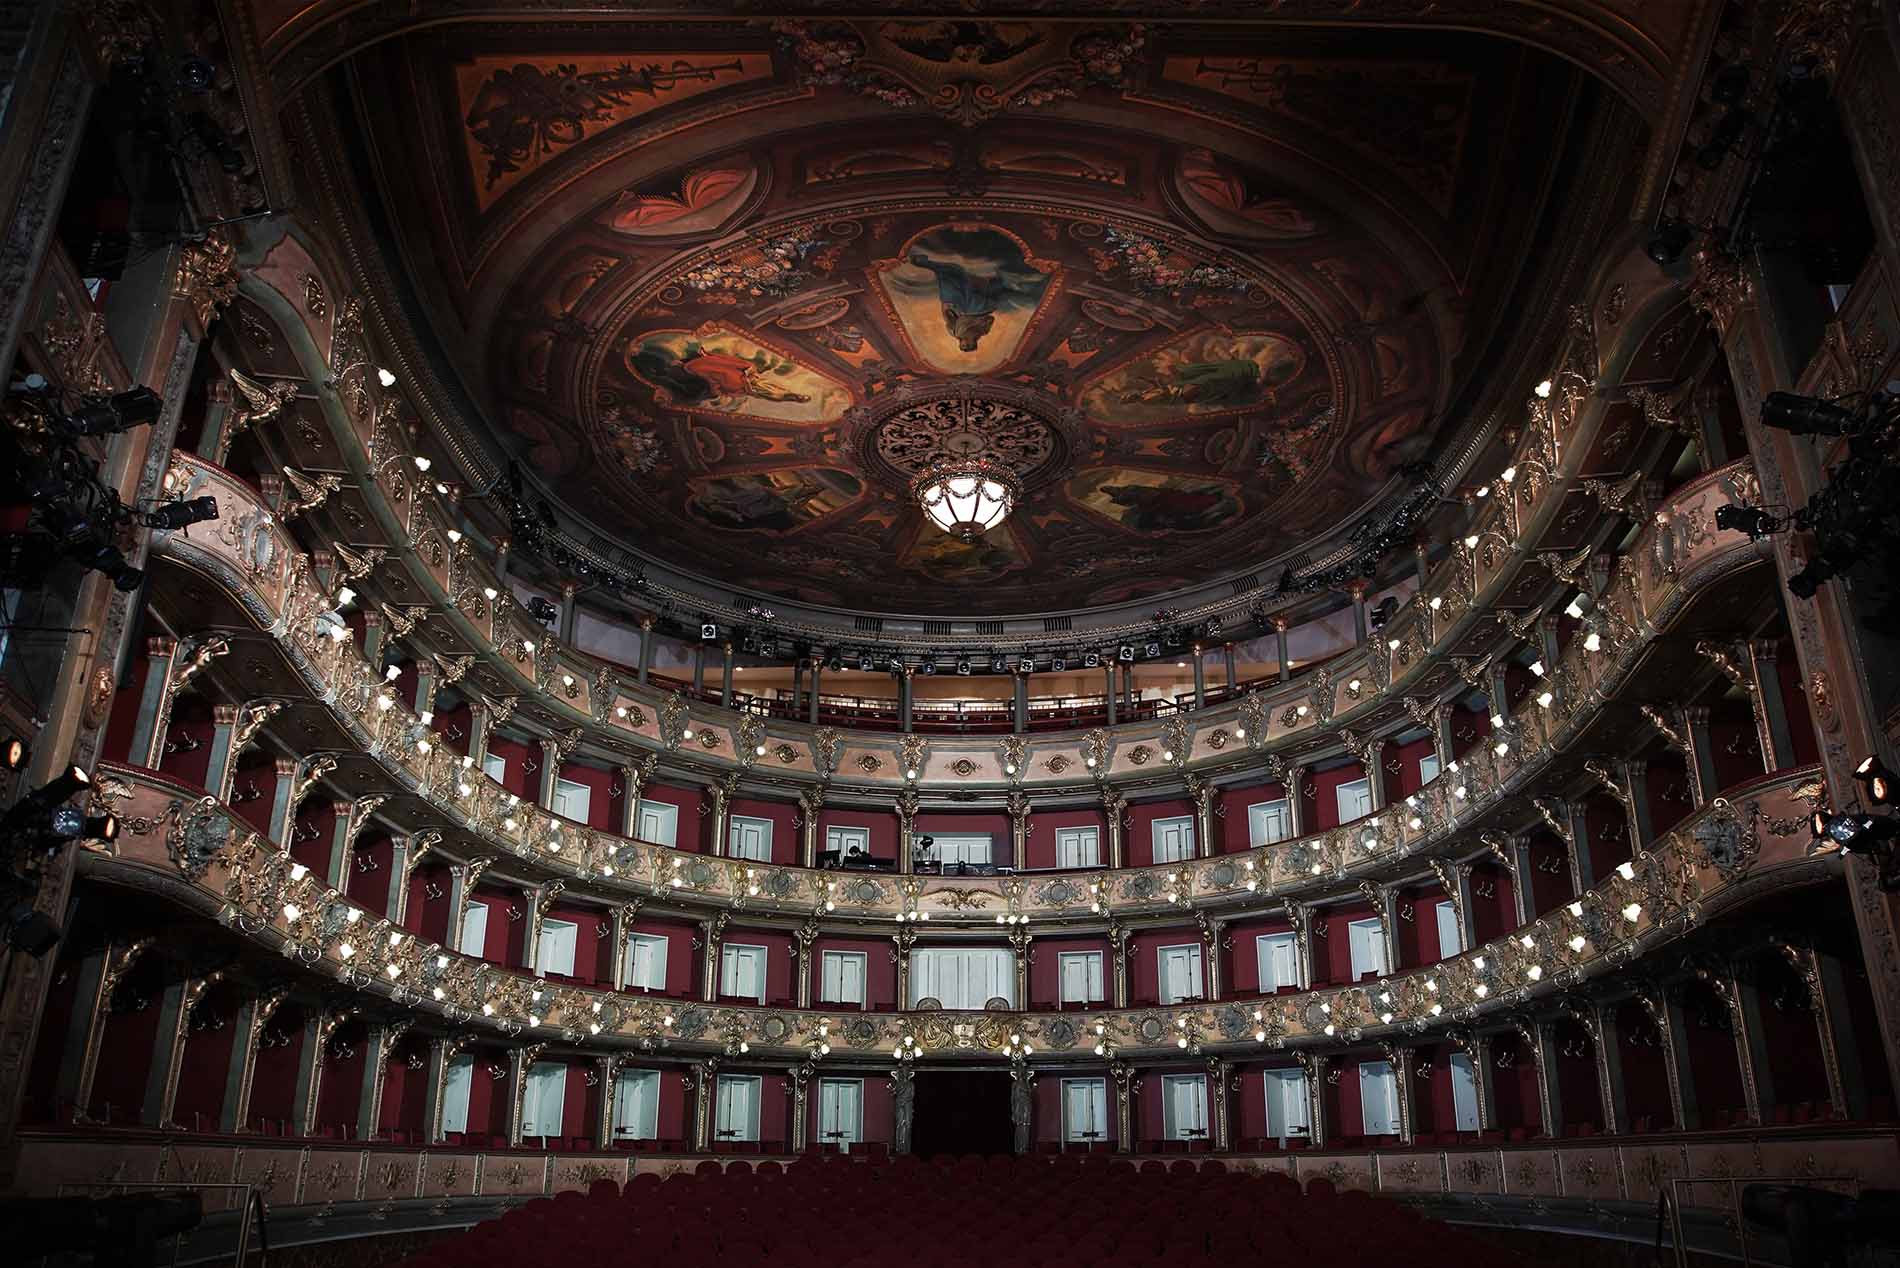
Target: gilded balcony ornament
column 1095, row 749
column 1321, row 695
column 1015, row 757
column 207, row 275
column 1140, row 754
column 826, row 746
column 911, row 755
column 1174, row 741
column 673, row 717
column 251, row 719
column 1057, row 764
column 1720, row 287
column 1252, row 718
column 263, row 402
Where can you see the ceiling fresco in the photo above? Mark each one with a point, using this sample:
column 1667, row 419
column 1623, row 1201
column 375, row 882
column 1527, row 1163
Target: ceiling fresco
column 723, row 289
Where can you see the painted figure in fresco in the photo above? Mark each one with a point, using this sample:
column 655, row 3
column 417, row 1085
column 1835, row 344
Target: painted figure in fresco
column 1172, row 507
column 710, row 377
column 756, row 502
column 979, row 273
column 1204, row 373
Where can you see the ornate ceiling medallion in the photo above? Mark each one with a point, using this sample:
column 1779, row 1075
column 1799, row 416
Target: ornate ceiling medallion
column 966, row 452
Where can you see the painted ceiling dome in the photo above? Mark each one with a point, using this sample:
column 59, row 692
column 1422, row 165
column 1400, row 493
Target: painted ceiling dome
column 722, row 290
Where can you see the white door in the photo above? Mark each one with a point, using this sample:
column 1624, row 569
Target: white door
column 474, row 929
column 1279, row 955
column 455, row 1089
column 1355, row 800
column 750, row 838
column 1378, row 1098
column 737, row 1116
column 1085, row 1110
column 646, row 962
column 962, row 979
column 1174, row 839
column 841, row 977
column 637, row 1105
column 1180, row 973
column 1448, row 940
column 544, row 1098
column 1184, row 1106
column 1367, row 943
column 1464, row 1092
column 555, row 954
column 841, row 1112
column 495, row 766
column 1081, row 973
column 1269, row 821
column 842, row 841
column 961, row 849
column 572, row 800
column 742, row 972
column 1427, row 768
column 657, row 822
column 1288, row 1114
column 1078, row 847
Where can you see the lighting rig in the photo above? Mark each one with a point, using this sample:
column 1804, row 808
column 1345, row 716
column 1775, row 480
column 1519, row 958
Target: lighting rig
column 1859, row 831
column 1853, row 516
column 54, row 506
column 32, row 833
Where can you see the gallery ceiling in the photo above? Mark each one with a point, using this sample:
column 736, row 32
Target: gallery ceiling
column 721, row 288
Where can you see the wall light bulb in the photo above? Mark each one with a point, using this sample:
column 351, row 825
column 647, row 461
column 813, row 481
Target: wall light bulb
column 1545, row 699
column 1537, row 668
column 1626, row 870
column 384, row 377
column 1543, row 389
column 422, row 463
column 1633, row 912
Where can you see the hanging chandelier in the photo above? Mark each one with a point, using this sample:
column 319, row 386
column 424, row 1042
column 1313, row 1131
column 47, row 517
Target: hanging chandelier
column 966, row 497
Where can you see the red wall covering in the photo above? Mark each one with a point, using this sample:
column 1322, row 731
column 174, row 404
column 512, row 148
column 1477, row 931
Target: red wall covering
column 682, row 960
column 1140, row 841
column 883, row 829
column 784, row 819
column 314, row 830
column 274, row 1081
column 600, row 793
column 370, row 888
column 1232, row 824
column 117, row 746
column 1407, row 781
column 1418, row 936
column 1041, row 850
column 1243, row 961
column 693, row 827
column 995, row 826
column 1645, row 1080
column 880, row 973
column 207, row 1060
column 128, row 1043
column 1045, row 970
column 1144, row 961
column 593, row 950
column 340, row 1095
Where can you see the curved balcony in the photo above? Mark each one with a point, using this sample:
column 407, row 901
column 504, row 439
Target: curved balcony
column 193, row 849
column 513, row 656
column 1677, row 556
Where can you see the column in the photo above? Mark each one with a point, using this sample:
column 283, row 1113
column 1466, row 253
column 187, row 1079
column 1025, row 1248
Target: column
column 710, row 932
column 1295, row 803
column 91, row 999
column 1388, row 909
column 480, row 726
column 396, row 898
column 1609, row 1057
column 1279, row 638
column 568, row 612
column 1022, row 1106
column 1017, row 803
column 148, row 732
column 1704, row 782
column 1108, row 690
column 282, row 811
column 1220, row 1075
column 646, row 647
column 213, row 440
column 1373, row 759
column 632, row 779
column 373, row 637
column 800, row 1078
column 319, row 1024
column 168, row 1043
column 1201, row 793
column 817, row 669
column 1480, row 1052
column 342, row 843
column 380, row 1044
column 1357, row 589
column 1461, row 881
column 1826, row 980
column 1020, row 940
column 1549, row 654
column 1634, row 779
column 1583, row 873
column 798, row 684
column 1233, row 670
column 1117, row 964
column 1019, row 702
column 550, row 771
column 535, row 899
column 811, row 805
column 460, row 885
column 224, row 720
column 1214, row 935
column 1443, row 741
column 903, row 1107
column 1550, row 1096
column 803, row 937
column 722, row 790
column 442, row 1051
column 503, row 558
column 1666, row 1014
column 1123, row 1080
column 906, row 832
column 725, row 677
column 519, row 1062
column 252, row 1018
column 604, row 1120
column 1522, row 872
column 1200, row 681
column 427, row 678
column 1114, row 806
column 1404, row 1062
column 1315, row 1066
column 1301, row 918
column 1751, row 1048
column 699, row 667
column 901, row 943
column 1771, row 711
column 904, row 698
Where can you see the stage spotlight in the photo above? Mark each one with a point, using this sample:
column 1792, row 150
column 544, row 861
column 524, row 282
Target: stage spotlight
column 1750, row 520
column 1877, row 779
column 1667, row 244
column 1125, row 653
column 183, row 514
column 1091, row 660
column 120, row 412
column 60, row 788
column 13, row 752
column 866, row 662
column 542, row 610
column 708, row 632
column 963, row 665
column 1805, row 415
column 68, row 822
column 1807, row 583
column 29, row 929
column 999, row 663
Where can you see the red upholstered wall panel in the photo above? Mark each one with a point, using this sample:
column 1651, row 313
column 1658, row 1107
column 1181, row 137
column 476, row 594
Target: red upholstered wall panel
column 340, row 1096
column 784, row 819
column 1233, row 825
column 370, row 888
column 882, row 827
column 995, row 826
column 316, row 826
column 1407, row 781
column 682, row 960
column 693, row 827
column 516, row 778
column 880, row 974
column 1243, row 961
column 599, row 793
column 1140, row 842
column 117, row 746
column 1144, row 962
column 593, row 951
column 274, row 1080
column 1045, row 971
column 429, row 917
column 207, row 1060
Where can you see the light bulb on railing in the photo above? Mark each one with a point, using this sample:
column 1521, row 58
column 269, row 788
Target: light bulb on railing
column 1543, row 389
column 1537, row 668
column 384, row 377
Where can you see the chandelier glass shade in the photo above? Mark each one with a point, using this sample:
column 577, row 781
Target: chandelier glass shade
column 968, row 497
